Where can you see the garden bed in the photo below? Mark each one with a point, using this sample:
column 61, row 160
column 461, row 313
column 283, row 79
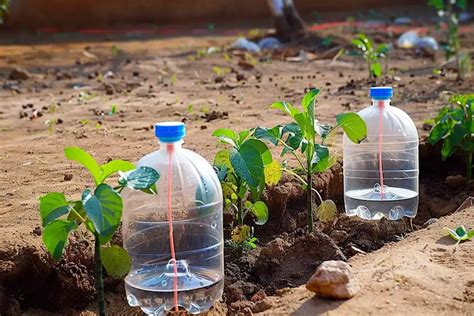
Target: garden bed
column 66, row 88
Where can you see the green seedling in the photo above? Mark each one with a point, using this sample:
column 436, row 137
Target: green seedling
column 454, row 127
column 449, row 10
column 371, row 54
column 244, row 168
column 459, row 234
column 113, row 109
column 84, row 122
column 301, row 136
column 99, row 212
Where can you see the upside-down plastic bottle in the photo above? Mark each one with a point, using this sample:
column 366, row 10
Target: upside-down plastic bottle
column 175, row 237
column 381, row 173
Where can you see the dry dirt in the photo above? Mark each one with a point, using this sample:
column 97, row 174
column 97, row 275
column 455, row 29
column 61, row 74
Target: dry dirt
column 156, row 80
column 424, row 274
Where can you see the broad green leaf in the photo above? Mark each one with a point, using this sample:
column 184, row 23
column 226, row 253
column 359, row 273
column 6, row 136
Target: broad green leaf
column 437, row 4
column 309, row 99
column 324, row 164
column 365, row 40
column 461, row 231
column 223, row 158
column 359, row 44
column 79, row 214
column 55, row 236
column 438, row 132
column 248, row 164
column 382, row 50
column 241, row 233
column 322, row 130
column 226, row 135
column 52, row 206
column 270, row 134
column 453, row 140
column 326, row 211
column 229, row 191
column 82, row 157
column 115, row 166
column 260, row 210
column 321, row 155
column 243, row 135
column 305, row 125
column 116, row 261
column 272, row 173
column 285, row 107
column 104, row 210
column 353, row 125
column 142, row 178
column 265, row 153
column 376, row 69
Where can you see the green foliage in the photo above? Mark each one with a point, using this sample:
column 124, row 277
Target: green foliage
column 460, row 233
column 371, row 54
column 454, row 127
column 98, row 172
column 100, row 210
column 244, row 169
column 116, row 261
column 449, row 11
column 299, row 138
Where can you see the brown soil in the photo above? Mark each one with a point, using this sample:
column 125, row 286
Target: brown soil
column 66, row 88
column 424, row 274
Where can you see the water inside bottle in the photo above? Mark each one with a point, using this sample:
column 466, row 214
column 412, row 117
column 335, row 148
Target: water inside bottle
column 374, row 203
column 199, row 282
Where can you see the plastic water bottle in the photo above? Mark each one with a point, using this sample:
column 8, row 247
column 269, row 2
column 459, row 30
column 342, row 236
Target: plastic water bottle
column 381, row 173
column 175, row 237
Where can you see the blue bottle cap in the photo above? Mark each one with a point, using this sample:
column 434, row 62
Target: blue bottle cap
column 170, row 132
column 381, row 93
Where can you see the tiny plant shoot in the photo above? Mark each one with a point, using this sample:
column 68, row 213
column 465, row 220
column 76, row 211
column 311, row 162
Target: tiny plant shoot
column 99, row 211
column 244, row 169
column 371, row 54
column 449, row 10
column 459, row 234
column 454, row 127
column 307, row 136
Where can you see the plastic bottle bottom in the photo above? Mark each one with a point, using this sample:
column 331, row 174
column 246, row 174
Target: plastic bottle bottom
column 152, row 291
column 373, row 204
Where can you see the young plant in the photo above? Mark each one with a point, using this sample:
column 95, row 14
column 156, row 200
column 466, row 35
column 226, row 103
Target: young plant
column 454, row 127
column 371, row 54
column 99, row 211
column 244, row 169
column 450, row 9
column 301, row 135
column 459, row 234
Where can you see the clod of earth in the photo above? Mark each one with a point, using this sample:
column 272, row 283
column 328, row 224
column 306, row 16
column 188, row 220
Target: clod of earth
column 19, row 74
column 334, row 279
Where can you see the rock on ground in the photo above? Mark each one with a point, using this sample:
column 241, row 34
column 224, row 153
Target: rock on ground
column 334, row 279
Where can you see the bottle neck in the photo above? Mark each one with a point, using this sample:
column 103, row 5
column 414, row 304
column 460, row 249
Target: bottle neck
column 170, row 146
column 381, row 103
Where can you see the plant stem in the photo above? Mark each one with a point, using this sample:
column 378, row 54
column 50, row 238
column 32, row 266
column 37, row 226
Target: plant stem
column 99, row 281
column 469, row 165
column 309, row 188
column 304, row 183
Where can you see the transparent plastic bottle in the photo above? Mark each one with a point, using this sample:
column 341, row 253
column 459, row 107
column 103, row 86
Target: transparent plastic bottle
column 381, row 173
column 175, row 237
